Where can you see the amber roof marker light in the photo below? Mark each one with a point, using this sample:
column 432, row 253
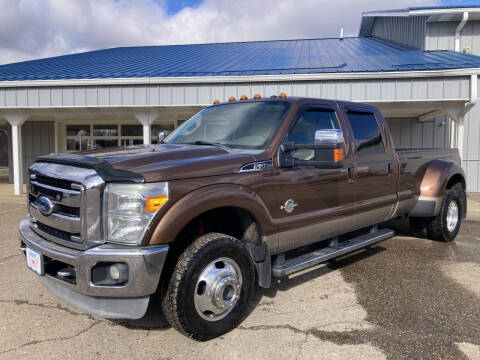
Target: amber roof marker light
column 215, row 102
column 257, row 96
column 244, row 97
column 282, row 95
column 231, row 98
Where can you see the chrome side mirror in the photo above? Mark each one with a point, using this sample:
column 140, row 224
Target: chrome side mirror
column 329, row 137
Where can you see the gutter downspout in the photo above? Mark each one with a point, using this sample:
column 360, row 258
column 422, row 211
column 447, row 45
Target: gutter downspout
column 461, row 116
column 459, row 29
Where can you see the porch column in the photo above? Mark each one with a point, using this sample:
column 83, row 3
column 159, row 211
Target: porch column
column 146, row 118
column 16, row 120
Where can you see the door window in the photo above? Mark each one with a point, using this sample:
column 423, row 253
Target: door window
column 304, row 130
column 367, row 133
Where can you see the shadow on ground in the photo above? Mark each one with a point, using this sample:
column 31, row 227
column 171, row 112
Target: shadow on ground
column 417, row 311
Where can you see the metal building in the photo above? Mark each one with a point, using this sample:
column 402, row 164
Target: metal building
column 415, row 64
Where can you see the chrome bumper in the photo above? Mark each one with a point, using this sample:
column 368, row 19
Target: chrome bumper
column 127, row 301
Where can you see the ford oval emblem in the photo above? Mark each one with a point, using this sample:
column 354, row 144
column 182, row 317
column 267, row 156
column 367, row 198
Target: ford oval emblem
column 45, row 205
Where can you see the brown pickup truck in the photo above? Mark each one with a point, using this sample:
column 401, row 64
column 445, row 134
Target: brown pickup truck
column 242, row 192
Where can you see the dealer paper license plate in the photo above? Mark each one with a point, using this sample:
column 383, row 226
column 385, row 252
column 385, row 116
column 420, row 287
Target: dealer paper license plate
column 35, row 261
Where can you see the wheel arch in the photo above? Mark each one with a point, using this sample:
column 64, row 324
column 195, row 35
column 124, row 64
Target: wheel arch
column 239, row 199
column 230, row 209
column 439, row 176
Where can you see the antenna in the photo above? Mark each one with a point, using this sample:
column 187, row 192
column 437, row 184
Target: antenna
column 341, row 34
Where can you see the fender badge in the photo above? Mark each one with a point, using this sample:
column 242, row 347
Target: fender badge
column 289, row 206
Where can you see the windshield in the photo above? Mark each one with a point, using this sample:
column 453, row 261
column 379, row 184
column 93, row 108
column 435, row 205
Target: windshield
column 240, row 125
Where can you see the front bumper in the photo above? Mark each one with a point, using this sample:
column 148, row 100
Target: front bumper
column 127, row 301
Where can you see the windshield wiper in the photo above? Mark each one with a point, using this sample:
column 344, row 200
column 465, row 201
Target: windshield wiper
column 208, row 143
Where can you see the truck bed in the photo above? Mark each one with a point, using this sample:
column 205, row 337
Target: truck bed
column 427, row 154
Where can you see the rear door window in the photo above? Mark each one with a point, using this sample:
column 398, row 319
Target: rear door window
column 367, row 133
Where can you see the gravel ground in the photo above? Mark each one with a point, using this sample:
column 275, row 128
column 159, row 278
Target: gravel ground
column 404, row 298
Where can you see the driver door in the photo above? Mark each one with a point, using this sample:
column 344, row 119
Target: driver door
column 314, row 204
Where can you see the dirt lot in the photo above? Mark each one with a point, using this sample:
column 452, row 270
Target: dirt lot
column 405, row 298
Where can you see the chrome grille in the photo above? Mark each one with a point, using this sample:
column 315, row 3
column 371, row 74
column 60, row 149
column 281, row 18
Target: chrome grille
column 76, row 194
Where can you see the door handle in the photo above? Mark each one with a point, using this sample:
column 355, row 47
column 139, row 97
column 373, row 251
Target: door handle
column 390, row 169
column 351, row 176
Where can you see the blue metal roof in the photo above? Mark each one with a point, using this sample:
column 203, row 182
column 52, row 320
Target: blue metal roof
column 357, row 54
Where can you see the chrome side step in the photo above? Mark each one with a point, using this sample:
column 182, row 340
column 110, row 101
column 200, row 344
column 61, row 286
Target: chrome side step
column 282, row 268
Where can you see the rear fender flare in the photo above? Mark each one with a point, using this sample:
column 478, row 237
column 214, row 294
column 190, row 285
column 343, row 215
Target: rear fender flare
column 433, row 187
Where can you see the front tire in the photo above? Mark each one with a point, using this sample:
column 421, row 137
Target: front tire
column 210, row 287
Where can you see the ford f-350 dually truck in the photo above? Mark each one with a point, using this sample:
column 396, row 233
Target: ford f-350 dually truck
column 242, row 192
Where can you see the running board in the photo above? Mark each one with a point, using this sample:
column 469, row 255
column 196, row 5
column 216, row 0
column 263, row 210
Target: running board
column 316, row 257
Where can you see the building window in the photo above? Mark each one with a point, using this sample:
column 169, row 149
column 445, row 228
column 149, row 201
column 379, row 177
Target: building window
column 78, row 137
column 105, row 130
column 96, row 136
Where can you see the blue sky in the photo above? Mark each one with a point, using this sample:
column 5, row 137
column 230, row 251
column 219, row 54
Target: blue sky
column 174, row 6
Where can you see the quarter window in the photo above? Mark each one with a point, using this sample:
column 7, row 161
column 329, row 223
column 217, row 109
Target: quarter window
column 304, row 130
column 367, row 133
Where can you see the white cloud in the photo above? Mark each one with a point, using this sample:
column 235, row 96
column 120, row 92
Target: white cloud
column 32, row 29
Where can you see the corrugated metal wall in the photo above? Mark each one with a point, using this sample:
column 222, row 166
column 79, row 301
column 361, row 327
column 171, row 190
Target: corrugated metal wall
column 410, row 133
column 471, row 148
column 38, row 139
column 409, row 31
column 451, row 88
column 441, row 36
column 470, row 37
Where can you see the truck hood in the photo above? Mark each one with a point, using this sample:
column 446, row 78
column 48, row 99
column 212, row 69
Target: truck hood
column 175, row 161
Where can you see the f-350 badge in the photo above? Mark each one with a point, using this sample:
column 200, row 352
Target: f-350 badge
column 289, row 206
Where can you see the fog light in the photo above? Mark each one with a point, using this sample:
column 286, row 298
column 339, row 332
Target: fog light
column 119, row 272
column 110, row 274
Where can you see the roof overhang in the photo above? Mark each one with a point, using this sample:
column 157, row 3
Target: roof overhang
column 422, row 12
column 432, row 15
column 242, row 79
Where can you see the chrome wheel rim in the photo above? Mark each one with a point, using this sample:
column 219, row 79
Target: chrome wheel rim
column 452, row 216
column 218, row 289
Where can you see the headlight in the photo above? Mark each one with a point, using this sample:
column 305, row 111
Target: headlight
column 130, row 208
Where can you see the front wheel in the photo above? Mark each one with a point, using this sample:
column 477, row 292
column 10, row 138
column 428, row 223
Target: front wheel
column 210, row 287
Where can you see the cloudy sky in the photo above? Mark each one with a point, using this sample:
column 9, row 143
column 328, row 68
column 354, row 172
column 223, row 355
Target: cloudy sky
column 32, row 29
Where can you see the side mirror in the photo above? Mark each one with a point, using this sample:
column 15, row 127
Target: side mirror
column 327, row 151
column 329, row 136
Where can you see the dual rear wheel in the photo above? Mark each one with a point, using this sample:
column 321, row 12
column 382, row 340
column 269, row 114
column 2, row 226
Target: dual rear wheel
column 446, row 225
